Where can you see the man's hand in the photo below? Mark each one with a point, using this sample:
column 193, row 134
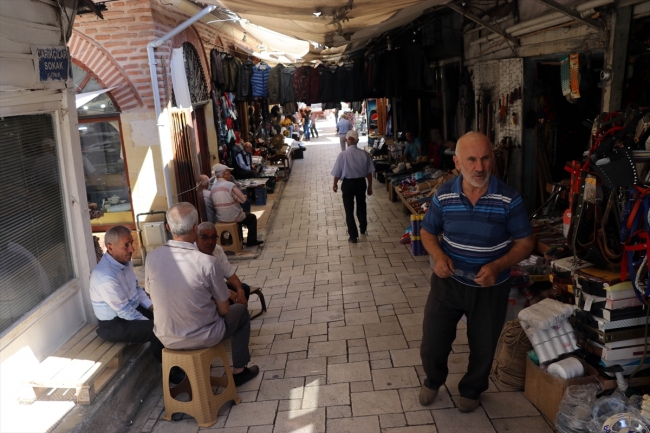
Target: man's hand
column 369, row 190
column 335, row 187
column 241, row 297
column 151, row 308
column 487, row 275
column 444, row 267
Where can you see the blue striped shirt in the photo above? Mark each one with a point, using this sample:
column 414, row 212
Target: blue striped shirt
column 115, row 292
column 353, row 163
column 473, row 236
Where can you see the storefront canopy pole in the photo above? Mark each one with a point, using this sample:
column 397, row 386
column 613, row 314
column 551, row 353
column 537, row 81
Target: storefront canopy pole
column 163, row 133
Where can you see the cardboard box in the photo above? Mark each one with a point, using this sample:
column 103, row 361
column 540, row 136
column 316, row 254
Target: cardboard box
column 546, row 391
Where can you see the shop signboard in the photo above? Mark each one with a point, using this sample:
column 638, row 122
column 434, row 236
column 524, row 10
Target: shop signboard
column 52, row 63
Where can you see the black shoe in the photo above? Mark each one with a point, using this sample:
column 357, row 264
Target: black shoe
column 364, row 232
column 254, row 243
column 176, row 375
column 353, row 240
column 246, row 375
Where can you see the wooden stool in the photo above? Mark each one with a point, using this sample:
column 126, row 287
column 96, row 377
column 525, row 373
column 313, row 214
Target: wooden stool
column 232, row 241
column 258, row 291
column 204, row 404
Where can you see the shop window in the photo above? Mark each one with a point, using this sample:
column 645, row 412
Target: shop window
column 105, row 169
column 35, row 255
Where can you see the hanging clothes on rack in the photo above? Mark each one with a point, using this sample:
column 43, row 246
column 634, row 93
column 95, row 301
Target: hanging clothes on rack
column 231, row 66
column 315, row 75
column 286, row 85
column 274, row 84
column 216, row 68
column 244, row 90
column 344, row 82
column 301, row 83
column 328, row 85
column 259, row 81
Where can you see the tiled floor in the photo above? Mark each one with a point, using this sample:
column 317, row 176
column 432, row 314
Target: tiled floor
column 338, row 346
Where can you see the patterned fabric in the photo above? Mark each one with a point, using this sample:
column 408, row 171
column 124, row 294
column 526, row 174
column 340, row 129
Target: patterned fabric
column 301, row 83
column 259, row 82
column 473, row 236
column 314, row 84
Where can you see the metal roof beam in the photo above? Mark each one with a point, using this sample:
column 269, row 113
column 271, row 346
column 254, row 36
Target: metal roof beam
column 493, row 28
column 573, row 14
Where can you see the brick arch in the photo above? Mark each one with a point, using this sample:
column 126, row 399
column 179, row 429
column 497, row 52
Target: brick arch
column 109, row 73
column 191, row 35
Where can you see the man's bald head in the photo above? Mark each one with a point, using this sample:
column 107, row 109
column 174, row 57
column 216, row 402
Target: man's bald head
column 472, row 138
column 474, row 158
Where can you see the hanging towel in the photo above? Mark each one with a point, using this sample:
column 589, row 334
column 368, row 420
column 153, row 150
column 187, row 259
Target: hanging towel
column 179, row 80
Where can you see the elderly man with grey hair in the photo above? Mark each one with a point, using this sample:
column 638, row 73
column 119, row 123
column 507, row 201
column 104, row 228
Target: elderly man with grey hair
column 123, row 309
column 190, row 296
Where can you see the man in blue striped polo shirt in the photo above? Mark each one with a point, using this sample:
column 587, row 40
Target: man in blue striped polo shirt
column 475, row 230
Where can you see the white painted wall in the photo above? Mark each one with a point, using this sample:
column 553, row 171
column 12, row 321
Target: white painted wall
column 26, row 23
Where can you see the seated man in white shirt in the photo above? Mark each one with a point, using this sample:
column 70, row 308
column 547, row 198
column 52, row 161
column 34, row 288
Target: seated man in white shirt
column 207, row 200
column 191, row 297
column 206, row 242
column 227, row 199
column 123, row 309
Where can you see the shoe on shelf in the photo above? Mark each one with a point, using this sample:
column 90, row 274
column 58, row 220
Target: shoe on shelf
column 427, row 395
column 466, row 405
column 246, row 375
column 254, row 243
column 353, row 240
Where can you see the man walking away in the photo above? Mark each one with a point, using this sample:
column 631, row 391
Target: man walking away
column 342, row 129
column 355, row 167
column 475, row 230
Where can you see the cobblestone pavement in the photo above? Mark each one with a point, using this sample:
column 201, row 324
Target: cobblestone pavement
column 338, row 348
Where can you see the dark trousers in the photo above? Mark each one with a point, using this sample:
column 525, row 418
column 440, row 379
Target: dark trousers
column 485, row 308
column 238, row 326
column 119, row 330
column 355, row 189
column 246, row 287
column 312, row 128
column 251, row 224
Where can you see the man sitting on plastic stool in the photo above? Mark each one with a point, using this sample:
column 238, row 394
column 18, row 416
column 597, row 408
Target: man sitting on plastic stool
column 227, row 199
column 191, row 298
column 206, row 242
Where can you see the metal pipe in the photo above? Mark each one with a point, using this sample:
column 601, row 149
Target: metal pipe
column 585, row 9
column 160, row 120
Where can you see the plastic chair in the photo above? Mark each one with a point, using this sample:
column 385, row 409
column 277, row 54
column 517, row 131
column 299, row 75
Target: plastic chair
column 204, row 404
column 229, row 237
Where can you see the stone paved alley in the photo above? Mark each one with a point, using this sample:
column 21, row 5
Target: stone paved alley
column 338, row 348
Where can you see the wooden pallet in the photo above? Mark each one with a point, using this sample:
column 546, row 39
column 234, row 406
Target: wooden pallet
column 85, row 363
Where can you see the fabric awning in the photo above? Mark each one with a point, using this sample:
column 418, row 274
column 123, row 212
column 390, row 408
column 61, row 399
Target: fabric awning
column 341, row 22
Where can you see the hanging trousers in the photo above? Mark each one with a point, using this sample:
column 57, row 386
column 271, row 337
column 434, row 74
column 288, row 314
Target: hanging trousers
column 354, row 189
column 485, row 309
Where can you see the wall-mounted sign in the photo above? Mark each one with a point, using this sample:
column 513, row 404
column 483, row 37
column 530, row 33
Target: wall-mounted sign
column 52, row 63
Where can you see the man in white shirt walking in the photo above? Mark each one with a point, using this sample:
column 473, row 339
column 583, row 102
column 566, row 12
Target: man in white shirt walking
column 342, row 128
column 355, row 167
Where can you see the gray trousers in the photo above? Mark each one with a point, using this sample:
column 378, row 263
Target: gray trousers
column 238, row 326
column 344, row 142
